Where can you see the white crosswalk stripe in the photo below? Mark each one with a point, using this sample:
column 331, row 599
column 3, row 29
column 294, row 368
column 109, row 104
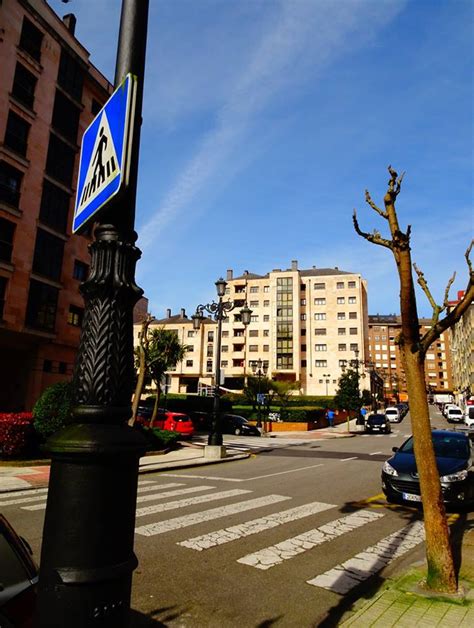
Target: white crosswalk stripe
column 208, row 515
column 175, row 493
column 351, row 573
column 242, row 530
column 191, row 501
column 276, row 554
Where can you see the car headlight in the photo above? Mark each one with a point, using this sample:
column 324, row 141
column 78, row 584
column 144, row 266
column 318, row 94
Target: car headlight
column 454, row 477
column 388, row 469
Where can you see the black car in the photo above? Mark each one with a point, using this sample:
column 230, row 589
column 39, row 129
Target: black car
column 454, row 458
column 235, row 424
column 377, row 423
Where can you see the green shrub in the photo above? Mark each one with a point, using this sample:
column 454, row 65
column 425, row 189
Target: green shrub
column 53, row 409
column 159, row 439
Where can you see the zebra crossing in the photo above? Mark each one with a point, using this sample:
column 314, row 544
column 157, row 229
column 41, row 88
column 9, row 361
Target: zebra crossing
column 159, row 496
column 255, row 443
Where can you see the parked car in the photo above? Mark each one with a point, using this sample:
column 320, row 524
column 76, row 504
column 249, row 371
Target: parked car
column 393, row 414
column 403, row 409
column 167, row 420
column 201, row 420
column 454, row 415
column 18, row 579
column 235, row 424
column 469, row 416
column 454, row 458
column 445, row 407
column 377, row 422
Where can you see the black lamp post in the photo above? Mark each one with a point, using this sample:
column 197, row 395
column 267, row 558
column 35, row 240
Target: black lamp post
column 259, row 368
column 219, row 312
column 360, row 418
column 87, row 557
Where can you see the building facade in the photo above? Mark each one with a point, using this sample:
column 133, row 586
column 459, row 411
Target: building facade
column 306, row 326
column 49, row 94
column 462, row 352
column 385, row 357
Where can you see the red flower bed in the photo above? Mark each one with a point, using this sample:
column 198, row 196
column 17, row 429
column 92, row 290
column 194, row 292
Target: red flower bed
column 17, row 434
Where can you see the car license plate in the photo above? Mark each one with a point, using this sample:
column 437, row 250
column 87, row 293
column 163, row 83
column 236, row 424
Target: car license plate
column 411, row 498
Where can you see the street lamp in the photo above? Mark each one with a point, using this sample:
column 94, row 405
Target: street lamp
column 259, row 368
column 219, row 312
column 327, row 380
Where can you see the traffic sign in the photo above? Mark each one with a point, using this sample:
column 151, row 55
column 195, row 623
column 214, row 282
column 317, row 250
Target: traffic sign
column 105, row 154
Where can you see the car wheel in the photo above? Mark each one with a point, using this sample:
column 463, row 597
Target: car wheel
column 237, row 431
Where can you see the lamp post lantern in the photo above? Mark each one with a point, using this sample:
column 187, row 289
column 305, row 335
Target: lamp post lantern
column 218, row 312
column 259, row 368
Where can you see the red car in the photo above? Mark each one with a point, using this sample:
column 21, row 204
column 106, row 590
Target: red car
column 167, row 420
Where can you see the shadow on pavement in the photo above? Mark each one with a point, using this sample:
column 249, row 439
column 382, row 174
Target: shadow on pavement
column 142, row 620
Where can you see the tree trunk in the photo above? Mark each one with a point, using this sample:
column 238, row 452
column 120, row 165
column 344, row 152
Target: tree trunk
column 155, row 407
column 139, row 387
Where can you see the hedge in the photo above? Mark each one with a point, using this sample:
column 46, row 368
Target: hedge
column 191, row 403
column 52, row 410
column 17, row 435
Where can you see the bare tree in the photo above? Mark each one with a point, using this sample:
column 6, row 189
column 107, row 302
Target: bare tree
column 140, row 354
column 441, row 574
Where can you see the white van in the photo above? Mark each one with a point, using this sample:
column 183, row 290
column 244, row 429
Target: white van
column 469, row 416
column 393, row 414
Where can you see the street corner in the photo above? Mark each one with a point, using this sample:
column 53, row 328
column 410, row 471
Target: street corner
column 18, row 478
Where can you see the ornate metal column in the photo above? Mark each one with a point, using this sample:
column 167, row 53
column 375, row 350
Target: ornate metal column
column 87, row 555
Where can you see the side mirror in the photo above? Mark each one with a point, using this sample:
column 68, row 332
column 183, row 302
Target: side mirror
column 394, row 449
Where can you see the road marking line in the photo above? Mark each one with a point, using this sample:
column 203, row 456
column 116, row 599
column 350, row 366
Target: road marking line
column 375, row 453
column 342, row 578
column 10, row 494
column 182, row 503
column 208, row 515
column 164, row 494
column 276, row 554
column 158, row 487
column 225, row 535
column 40, row 494
column 200, row 477
column 270, row 475
column 346, row 459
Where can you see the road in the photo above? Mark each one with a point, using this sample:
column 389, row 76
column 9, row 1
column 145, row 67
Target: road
column 291, row 536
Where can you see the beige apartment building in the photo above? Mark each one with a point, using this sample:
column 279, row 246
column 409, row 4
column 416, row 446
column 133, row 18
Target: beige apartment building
column 386, row 358
column 306, row 325
column 462, row 352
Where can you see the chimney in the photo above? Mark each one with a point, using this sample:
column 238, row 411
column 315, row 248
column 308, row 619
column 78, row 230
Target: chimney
column 70, row 22
column 230, row 274
column 183, row 313
column 168, row 313
column 294, row 264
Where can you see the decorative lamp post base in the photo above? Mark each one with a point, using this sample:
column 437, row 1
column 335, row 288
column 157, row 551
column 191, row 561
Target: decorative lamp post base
column 214, row 452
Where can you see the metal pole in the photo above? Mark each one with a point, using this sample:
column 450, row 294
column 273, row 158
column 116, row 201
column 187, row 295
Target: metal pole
column 259, row 416
column 215, row 435
column 87, row 557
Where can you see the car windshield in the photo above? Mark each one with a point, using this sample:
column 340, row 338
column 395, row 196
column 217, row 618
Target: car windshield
column 377, row 418
column 455, row 411
column 445, row 446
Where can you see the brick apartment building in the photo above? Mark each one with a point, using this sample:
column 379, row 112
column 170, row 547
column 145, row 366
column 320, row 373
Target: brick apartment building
column 386, row 358
column 49, row 94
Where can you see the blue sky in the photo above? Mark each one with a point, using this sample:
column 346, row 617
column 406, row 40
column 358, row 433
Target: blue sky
column 264, row 121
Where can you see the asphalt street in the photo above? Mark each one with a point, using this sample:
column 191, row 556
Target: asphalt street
column 276, row 539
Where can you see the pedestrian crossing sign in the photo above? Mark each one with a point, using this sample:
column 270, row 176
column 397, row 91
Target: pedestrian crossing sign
column 105, row 154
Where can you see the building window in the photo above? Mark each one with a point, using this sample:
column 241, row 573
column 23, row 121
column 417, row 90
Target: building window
column 352, row 300
column 209, row 352
column 353, row 315
column 320, row 347
column 320, row 331
column 60, row 160
column 266, row 332
column 342, row 347
column 10, row 184
column 24, row 85
column 75, row 316
column 254, row 318
column 253, row 303
column 48, row 257
column 70, row 75
column 302, row 317
column 95, row 107
column 284, row 361
column 351, row 284
column 303, row 302
column 320, row 316
column 54, row 208
column 3, row 291
column 353, row 331
column 224, row 363
column 225, row 333
column 320, row 301
column 319, row 286
column 16, row 134
column 224, row 349
column 303, row 348
column 238, row 347
column 239, row 333
column 303, row 364
column 341, row 331
column 253, row 348
column 354, row 347
column 237, row 318
column 7, row 231
column 210, row 336
column 253, row 333
column 266, row 348
column 190, row 333
column 209, row 366
column 266, row 318
column 303, row 331
column 341, row 300
column 266, row 303
column 340, row 285
column 266, row 288
column 341, row 316
column 42, row 304
column 342, row 364
column 30, row 39
column 189, row 363
column 253, row 289
column 80, row 270
column 320, row 363
column 65, row 117
column 190, row 348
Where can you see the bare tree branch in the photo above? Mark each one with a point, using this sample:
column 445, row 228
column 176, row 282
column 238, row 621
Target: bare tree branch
column 374, row 237
column 467, row 255
column 424, row 286
column 395, row 183
column 446, row 292
column 370, row 202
